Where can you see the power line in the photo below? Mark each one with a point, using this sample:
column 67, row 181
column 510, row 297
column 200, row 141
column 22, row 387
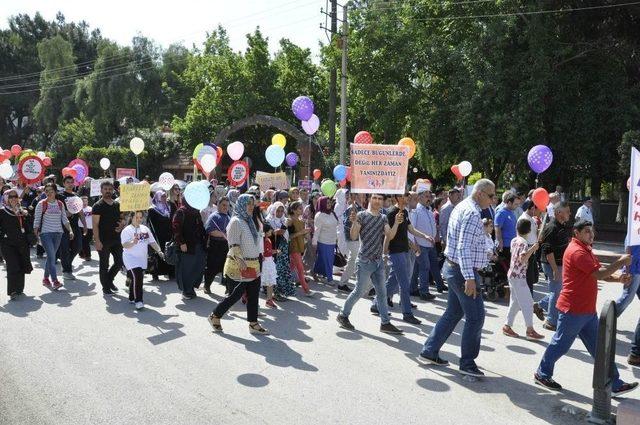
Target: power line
column 238, row 22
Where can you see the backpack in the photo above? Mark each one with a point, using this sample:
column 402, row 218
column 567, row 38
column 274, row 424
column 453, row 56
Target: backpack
column 45, row 206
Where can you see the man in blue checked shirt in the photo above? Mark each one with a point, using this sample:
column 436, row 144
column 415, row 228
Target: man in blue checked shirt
column 465, row 255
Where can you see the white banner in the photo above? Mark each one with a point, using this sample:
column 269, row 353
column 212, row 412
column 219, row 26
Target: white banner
column 633, row 220
column 95, row 186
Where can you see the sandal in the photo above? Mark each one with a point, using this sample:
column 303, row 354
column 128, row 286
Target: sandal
column 215, row 323
column 257, row 329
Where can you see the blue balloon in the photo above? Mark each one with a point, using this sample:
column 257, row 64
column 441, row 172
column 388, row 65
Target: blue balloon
column 274, row 155
column 339, row 172
column 197, row 194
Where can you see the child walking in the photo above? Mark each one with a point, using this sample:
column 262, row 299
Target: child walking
column 521, row 299
column 269, row 274
column 136, row 238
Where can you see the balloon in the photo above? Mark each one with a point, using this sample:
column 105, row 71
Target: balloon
column 408, row 142
column 363, row 137
column 292, row 159
column 274, row 155
column 7, row 153
column 166, row 180
column 197, row 194
column 220, row 152
column 235, row 150
column 340, row 172
column 67, row 171
column 415, row 170
column 540, row 198
column 455, row 170
column 81, row 173
column 137, row 145
column 208, row 163
column 6, row 171
column 16, row 149
column 7, row 161
column 465, row 168
column 540, row 158
column 41, row 155
column 2, row 156
column 328, row 188
column 317, row 174
column 312, row 125
column 73, row 204
column 302, row 107
column 343, row 183
column 279, row 140
column 105, row 163
column 46, row 161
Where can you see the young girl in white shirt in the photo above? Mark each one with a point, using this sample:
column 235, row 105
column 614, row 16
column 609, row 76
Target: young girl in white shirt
column 135, row 239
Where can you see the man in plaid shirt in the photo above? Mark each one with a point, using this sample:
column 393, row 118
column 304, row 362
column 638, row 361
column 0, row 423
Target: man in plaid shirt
column 465, row 254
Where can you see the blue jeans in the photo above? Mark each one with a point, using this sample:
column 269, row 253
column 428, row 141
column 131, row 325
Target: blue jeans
column 427, row 263
column 571, row 326
column 70, row 248
column 399, row 277
column 367, row 272
column 50, row 243
column 459, row 305
column 627, row 294
column 548, row 303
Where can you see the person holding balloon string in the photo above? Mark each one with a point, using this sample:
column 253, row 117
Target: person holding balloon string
column 69, row 248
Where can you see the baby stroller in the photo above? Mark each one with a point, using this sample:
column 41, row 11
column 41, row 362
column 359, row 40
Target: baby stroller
column 494, row 279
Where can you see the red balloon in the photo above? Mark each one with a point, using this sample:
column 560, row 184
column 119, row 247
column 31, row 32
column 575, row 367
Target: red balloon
column 343, row 182
column 46, row 161
column 540, row 198
column 6, row 153
column 456, row 172
column 317, row 174
column 16, row 149
column 3, row 157
column 68, row 171
column 348, row 178
column 220, row 152
column 363, row 137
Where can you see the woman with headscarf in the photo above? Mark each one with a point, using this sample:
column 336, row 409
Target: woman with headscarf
column 242, row 267
column 324, row 238
column 233, row 195
column 308, row 216
column 159, row 220
column 217, row 249
column 14, row 242
column 297, row 234
column 190, row 237
column 341, row 206
column 277, row 219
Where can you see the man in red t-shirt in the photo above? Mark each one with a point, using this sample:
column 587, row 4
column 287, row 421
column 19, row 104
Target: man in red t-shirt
column 577, row 306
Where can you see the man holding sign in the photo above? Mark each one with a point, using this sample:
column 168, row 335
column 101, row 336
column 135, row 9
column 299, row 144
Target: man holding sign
column 107, row 224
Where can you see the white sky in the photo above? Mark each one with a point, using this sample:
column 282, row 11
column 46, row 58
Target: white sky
column 186, row 21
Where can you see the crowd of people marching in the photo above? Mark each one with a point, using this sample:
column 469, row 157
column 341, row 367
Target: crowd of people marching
column 278, row 241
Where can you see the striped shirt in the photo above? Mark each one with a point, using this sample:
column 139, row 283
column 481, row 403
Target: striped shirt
column 371, row 235
column 466, row 238
column 239, row 233
column 53, row 219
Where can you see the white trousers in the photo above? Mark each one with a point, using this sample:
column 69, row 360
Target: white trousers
column 521, row 300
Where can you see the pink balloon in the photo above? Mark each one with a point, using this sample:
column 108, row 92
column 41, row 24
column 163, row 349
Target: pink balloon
column 311, row 125
column 235, row 150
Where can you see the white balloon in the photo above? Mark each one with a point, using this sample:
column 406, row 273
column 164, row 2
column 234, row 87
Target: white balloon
column 208, row 162
column 415, row 170
column 6, row 171
column 166, row 181
column 137, row 145
column 41, row 155
column 105, row 163
column 235, row 150
column 465, row 168
column 7, row 161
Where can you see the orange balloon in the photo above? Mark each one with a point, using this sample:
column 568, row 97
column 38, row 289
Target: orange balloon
column 317, row 174
column 456, row 172
column 540, row 198
column 408, row 142
column 220, row 152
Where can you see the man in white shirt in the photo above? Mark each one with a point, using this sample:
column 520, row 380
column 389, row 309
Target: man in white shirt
column 530, row 213
column 584, row 212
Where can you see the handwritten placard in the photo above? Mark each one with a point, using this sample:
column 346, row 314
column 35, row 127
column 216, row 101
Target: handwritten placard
column 135, row 197
column 266, row 181
column 379, row 168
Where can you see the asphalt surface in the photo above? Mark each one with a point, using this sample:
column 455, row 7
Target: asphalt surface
column 76, row 357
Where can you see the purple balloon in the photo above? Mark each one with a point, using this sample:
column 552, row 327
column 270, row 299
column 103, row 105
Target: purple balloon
column 81, row 174
column 292, row 159
column 302, row 108
column 311, row 126
column 540, row 158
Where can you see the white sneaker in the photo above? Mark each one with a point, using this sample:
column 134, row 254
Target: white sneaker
column 139, row 305
column 68, row 275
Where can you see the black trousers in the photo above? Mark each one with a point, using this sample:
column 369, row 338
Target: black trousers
column 107, row 274
column 15, row 275
column 253, row 290
column 85, row 252
column 136, row 275
column 216, row 256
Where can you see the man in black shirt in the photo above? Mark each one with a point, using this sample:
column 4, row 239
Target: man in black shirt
column 554, row 239
column 107, row 224
column 69, row 248
column 398, row 249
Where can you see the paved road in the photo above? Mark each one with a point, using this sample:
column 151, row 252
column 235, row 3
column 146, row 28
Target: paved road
column 75, row 357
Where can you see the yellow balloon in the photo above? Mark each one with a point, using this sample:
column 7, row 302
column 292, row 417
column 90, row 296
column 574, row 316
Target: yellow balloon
column 279, row 140
column 408, row 142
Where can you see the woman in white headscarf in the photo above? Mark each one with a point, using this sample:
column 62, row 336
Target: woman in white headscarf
column 277, row 219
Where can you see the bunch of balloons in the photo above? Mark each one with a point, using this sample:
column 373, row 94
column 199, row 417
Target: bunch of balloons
column 275, row 153
column 303, row 108
column 461, row 170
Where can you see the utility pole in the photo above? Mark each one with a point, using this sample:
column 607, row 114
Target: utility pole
column 333, row 15
column 343, row 87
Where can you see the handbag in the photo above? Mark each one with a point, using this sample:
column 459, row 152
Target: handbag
column 339, row 260
column 171, row 253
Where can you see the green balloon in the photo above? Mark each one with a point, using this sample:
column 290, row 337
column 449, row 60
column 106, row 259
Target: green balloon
column 329, row 188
